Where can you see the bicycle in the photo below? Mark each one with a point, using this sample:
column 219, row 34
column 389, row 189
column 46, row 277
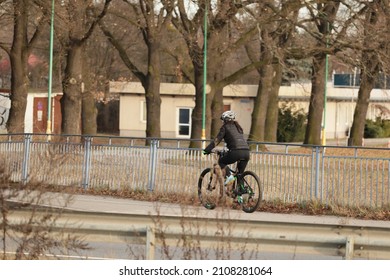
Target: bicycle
column 245, row 189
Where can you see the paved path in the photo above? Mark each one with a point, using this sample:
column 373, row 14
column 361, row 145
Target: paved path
column 118, row 205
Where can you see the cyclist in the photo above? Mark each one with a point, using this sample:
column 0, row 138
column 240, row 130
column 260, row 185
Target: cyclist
column 238, row 150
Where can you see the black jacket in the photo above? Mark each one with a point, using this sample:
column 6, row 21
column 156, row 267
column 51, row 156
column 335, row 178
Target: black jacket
column 233, row 138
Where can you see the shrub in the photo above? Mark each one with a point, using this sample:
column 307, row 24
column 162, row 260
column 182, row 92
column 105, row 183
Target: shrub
column 377, row 129
column 291, row 123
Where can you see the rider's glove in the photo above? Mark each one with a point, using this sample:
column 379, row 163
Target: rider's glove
column 206, row 152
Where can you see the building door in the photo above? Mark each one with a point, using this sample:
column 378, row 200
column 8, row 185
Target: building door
column 40, row 115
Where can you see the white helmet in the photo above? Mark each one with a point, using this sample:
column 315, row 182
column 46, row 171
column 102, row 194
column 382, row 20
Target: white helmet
column 228, row 116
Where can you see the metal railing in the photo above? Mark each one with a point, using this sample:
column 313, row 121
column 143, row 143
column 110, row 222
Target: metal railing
column 331, row 240
column 353, row 176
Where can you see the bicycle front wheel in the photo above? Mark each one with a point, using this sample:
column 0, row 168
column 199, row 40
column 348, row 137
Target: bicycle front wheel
column 208, row 192
column 252, row 192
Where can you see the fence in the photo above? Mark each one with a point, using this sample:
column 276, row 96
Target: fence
column 353, row 176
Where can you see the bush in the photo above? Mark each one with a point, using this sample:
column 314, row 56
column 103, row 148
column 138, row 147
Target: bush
column 377, row 129
column 291, row 124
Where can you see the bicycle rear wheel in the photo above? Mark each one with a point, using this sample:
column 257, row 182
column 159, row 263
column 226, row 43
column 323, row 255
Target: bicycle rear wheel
column 251, row 192
column 208, row 191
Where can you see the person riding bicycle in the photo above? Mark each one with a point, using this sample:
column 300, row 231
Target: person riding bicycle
column 238, row 150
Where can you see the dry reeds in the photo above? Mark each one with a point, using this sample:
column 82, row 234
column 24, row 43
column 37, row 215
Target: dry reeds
column 35, row 235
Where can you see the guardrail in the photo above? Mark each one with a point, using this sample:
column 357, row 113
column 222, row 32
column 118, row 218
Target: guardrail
column 195, row 233
column 333, row 175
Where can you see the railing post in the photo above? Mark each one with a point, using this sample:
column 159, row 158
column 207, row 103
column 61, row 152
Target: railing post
column 150, row 243
column 317, row 172
column 152, row 164
column 87, row 162
column 349, row 248
column 26, row 158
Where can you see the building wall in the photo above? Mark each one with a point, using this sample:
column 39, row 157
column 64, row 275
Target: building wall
column 339, row 107
column 35, row 120
column 5, row 105
column 133, row 116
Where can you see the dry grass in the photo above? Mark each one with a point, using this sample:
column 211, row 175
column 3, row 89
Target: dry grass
column 36, row 235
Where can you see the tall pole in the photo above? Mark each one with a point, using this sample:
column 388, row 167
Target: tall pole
column 325, row 97
column 325, row 89
column 204, row 76
column 48, row 126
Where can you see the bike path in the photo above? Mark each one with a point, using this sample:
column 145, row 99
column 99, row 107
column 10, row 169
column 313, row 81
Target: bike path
column 105, row 204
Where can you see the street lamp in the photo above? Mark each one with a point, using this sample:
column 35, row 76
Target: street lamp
column 326, row 88
column 48, row 126
column 204, row 77
column 325, row 97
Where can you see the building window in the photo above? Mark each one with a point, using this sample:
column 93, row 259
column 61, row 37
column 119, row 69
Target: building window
column 143, row 111
column 184, row 122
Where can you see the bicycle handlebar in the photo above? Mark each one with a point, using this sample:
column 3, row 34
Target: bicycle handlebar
column 219, row 152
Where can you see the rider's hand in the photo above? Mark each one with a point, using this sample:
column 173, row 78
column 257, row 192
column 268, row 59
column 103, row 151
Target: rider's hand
column 206, row 152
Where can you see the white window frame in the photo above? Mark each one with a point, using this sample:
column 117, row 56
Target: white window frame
column 179, row 124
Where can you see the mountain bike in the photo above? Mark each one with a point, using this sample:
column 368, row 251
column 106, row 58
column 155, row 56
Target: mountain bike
column 246, row 189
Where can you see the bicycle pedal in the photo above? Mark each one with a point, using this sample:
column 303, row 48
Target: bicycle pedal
column 238, row 191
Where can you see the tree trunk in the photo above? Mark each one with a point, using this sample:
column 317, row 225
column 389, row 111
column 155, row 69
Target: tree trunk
column 216, row 111
column 152, row 92
column 72, row 99
column 324, row 20
column 271, row 120
column 89, row 113
column 89, row 109
column 259, row 114
column 196, row 131
column 368, row 79
column 369, row 74
column 216, row 104
column 19, row 78
column 359, row 117
column 316, row 107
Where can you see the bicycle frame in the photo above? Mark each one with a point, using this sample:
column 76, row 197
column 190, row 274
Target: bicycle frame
column 246, row 189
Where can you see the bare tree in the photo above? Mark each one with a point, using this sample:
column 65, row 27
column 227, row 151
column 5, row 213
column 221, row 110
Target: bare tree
column 101, row 66
column 323, row 17
column 153, row 26
column 276, row 26
column 221, row 44
column 374, row 55
column 79, row 18
column 25, row 34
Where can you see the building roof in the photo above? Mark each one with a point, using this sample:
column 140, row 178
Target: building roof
column 296, row 91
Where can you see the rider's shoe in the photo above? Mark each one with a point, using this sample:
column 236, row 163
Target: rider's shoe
column 230, row 180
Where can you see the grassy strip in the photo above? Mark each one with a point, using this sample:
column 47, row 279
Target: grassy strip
column 305, row 208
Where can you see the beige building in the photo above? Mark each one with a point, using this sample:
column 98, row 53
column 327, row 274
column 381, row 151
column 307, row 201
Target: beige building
column 178, row 101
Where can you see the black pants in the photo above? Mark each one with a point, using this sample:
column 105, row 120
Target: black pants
column 239, row 156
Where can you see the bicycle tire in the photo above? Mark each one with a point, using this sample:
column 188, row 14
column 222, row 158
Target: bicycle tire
column 208, row 197
column 253, row 192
